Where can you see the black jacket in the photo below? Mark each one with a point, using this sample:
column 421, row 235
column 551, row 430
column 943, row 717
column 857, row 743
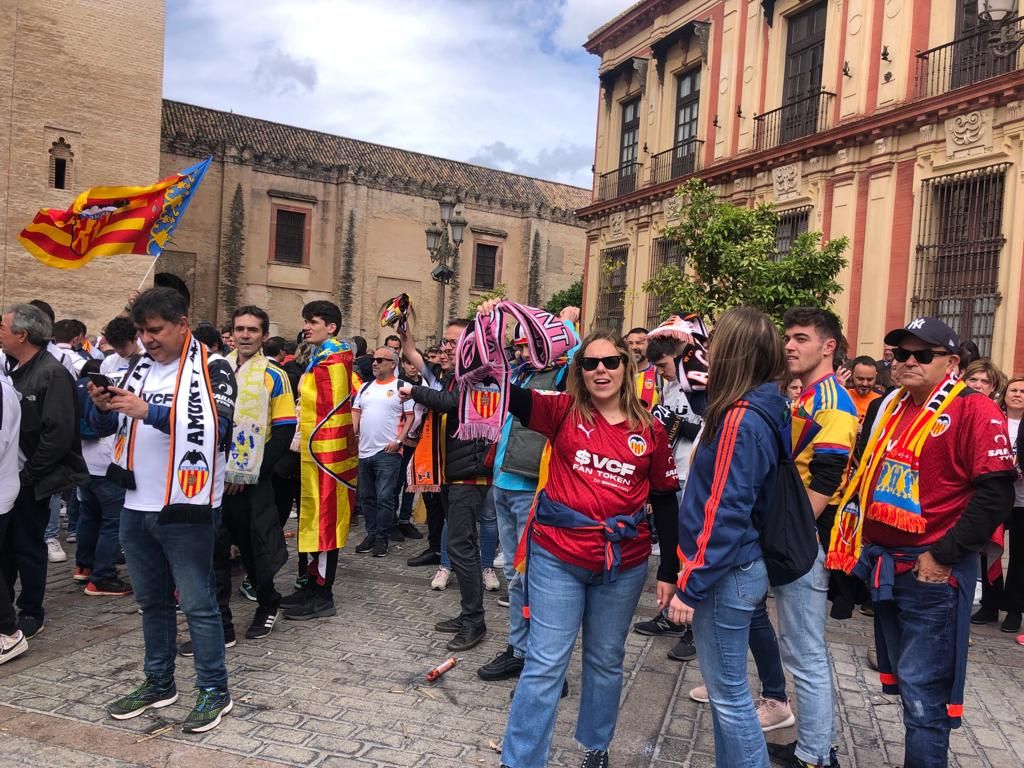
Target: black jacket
column 463, row 459
column 50, row 437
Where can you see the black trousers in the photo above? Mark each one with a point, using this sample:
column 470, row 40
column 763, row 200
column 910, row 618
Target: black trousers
column 435, row 520
column 462, row 508
column 8, row 619
column 1007, row 594
column 24, row 551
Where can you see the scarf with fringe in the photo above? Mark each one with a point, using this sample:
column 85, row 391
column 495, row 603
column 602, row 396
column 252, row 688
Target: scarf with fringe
column 692, row 362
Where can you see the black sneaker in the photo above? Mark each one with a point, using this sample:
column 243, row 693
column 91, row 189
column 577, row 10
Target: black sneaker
column 30, row 626
column 467, row 637
column 185, row 648
column 795, row 762
column 262, row 625
column 108, row 587
column 985, row 616
column 504, row 666
column 316, row 607
column 299, row 596
column 211, row 705
column 426, row 557
column 1011, row 623
column 366, row 545
column 396, row 535
column 380, row 546
column 684, row 650
column 659, row 626
column 452, row 625
column 247, row 590
column 409, row 531
column 149, row 695
column 595, row 758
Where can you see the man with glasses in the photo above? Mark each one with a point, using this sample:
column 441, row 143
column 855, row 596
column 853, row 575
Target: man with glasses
column 935, row 479
column 382, row 421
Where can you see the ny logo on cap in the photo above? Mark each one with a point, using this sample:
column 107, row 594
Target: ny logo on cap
column 916, row 325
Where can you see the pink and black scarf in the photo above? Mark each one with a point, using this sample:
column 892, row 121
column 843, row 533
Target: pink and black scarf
column 484, row 373
column 692, row 362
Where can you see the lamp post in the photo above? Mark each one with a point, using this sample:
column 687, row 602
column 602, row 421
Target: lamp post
column 1001, row 15
column 443, row 245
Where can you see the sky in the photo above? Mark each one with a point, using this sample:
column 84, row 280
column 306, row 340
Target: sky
column 500, row 83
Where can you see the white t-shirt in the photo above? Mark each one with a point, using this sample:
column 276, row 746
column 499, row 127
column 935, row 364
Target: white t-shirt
column 99, row 453
column 380, row 415
column 152, row 448
column 1018, row 487
column 673, row 397
column 62, row 357
column 11, row 459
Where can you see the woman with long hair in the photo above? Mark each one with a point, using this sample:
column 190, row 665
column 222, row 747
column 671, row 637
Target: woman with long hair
column 587, row 545
column 733, row 469
column 1008, row 594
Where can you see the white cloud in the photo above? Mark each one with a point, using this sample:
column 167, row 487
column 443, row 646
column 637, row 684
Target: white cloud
column 448, row 77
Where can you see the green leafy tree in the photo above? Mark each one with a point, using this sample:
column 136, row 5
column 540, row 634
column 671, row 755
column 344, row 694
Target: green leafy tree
column 500, row 292
column 732, row 261
column 534, row 282
column 232, row 255
column 568, row 297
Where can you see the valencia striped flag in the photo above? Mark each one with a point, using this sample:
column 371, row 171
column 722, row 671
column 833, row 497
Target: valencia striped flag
column 106, row 221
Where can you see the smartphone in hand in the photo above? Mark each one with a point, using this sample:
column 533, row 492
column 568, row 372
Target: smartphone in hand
column 99, row 380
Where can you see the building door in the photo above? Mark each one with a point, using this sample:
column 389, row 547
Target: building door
column 805, row 54
column 972, row 58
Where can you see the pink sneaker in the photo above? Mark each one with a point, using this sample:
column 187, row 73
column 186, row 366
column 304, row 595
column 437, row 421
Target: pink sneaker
column 699, row 694
column 774, row 714
column 1020, row 639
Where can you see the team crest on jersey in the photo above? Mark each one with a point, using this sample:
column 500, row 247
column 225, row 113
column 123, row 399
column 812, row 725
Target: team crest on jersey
column 485, row 401
column 390, row 393
column 941, row 425
column 193, row 472
column 637, row 445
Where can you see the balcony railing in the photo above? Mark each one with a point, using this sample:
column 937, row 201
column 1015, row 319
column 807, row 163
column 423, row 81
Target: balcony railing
column 682, row 160
column 968, row 59
column 800, row 117
column 621, row 181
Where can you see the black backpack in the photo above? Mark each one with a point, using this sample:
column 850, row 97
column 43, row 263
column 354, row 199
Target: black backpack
column 788, row 532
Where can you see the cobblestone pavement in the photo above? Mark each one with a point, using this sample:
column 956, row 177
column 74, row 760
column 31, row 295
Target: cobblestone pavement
column 349, row 691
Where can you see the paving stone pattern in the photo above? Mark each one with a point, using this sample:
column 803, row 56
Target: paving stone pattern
column 349, row 691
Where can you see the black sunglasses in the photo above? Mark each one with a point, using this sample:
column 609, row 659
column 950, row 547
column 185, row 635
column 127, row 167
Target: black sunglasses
column 923, row 356
column 383, row 360
column 610, row 363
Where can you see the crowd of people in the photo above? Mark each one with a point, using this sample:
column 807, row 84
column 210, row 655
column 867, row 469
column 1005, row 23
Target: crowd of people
column 169, row 446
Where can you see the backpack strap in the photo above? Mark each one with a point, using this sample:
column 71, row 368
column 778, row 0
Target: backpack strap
column 771, row 428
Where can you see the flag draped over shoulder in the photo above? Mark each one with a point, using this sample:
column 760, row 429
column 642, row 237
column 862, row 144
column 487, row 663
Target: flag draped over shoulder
column 107, row 221
column 329, row 450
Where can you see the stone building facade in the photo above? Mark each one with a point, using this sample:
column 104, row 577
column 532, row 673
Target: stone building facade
column 326, row 217
column 897, row 124
column 79, row 106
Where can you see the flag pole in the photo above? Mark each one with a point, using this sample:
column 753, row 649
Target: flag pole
column 145, row 277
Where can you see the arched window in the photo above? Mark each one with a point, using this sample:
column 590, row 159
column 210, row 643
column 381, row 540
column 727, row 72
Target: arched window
column 61, row 160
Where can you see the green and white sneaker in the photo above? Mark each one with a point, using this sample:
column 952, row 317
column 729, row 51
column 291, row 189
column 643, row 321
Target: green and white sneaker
column 247, row 590
column 211, row 705
column 150, row 695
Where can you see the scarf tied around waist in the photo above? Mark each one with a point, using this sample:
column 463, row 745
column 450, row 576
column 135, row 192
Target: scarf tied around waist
column 484, row 373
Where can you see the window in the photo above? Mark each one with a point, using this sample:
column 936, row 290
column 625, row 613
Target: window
column 973, row 59
column 664, row 253
column 791, row 223
column 485, row 266
column 957, row 265
column 290, row 236
column 61, row 158
column 611, row 289
column 805, row 54
column 630, row 133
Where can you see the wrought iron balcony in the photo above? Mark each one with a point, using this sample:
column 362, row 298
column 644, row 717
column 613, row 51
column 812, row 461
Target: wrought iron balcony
column 683, row 159
column 800, row 117
column 621, row 181
column 990, row 51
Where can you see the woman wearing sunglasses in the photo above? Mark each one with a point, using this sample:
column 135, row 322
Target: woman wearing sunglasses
column 587, row 546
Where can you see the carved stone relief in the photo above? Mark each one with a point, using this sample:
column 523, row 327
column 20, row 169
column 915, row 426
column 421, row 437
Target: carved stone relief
column 786, row 181
column 969, row 131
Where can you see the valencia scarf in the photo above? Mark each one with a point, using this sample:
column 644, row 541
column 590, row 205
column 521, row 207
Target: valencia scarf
column 251, row 421
column 692, row 362
column 894, row 498
column 193, row 449
column 424, row 472
column 483, row 371
column 395, row 312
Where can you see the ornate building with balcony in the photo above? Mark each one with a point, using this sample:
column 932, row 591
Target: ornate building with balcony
column 896, row 123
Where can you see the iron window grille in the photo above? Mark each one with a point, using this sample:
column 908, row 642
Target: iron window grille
column 664, row 253
column 611, row 291
column 485, row 266
column 290, row 237
column 956, row 269
column 792, row 222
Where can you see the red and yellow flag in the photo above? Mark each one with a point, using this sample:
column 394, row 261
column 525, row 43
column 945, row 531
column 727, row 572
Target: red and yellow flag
column 106, row 221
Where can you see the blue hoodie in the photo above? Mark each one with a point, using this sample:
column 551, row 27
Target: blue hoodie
column 731, row 483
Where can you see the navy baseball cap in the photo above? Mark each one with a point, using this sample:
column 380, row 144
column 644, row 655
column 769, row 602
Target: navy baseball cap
column 927, row 329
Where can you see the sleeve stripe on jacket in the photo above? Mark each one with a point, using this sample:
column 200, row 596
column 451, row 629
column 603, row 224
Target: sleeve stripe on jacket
column 723, row 462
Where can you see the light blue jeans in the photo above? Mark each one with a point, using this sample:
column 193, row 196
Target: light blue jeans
column 721, row 631
column 488, row 534
column 564, row 598
column 513, row 510
column 802, row 607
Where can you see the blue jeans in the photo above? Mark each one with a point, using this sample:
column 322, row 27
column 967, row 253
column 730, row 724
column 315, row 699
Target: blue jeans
column 513, row 510
column 488, row 534
column 919, row 626
column 764, row 647
column 98, row 524
column 802, row 609
column 721, row 631
column 53, row 525
column 165, row 557
column 379, row 479
column 563, row 598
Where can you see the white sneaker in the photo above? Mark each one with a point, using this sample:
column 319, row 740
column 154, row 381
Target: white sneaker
column 12, row 645
column 440, row 580
column 499, row 559
column 774, row 714
column 700, row 693
column 491, row 583
column 55, row 552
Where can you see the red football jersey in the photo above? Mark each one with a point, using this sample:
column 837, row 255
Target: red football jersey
column 601, row 470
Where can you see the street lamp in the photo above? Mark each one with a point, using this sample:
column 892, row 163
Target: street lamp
column 1001, row 15
column 443, row 245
